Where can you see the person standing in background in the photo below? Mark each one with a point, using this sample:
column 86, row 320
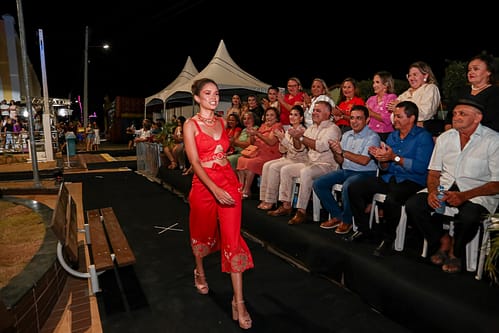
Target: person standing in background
column 349, row 96
column 424, row 92
column 482, row 79
column 384, row 92
column 215, row 198
column 320, row 92
column 235, row 106
column 286, row 101
column 271, row 99
column 256, row 108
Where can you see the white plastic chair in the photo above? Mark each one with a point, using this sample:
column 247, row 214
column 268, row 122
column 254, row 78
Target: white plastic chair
column 316, row 203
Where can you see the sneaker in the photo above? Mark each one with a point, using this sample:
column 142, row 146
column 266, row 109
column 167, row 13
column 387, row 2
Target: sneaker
column 343, row 228
column 331, row 223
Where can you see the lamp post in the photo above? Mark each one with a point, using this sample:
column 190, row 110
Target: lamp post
column 85, row 82
column 85, row 77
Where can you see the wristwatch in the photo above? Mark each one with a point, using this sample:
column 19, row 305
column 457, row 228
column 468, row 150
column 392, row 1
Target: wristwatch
column 397, row 159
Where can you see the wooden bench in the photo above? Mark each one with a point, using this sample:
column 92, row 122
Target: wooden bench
column 105, row 241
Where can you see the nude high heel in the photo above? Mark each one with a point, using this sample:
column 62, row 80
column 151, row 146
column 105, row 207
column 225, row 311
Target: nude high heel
column 201, row 287
column 244, row 320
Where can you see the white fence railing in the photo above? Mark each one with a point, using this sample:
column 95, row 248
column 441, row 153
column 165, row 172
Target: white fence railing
column 148, row 158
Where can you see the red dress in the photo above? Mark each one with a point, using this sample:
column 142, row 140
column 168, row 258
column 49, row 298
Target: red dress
column 214, row 226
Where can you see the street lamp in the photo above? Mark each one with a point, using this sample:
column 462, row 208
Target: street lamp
column 85, row 77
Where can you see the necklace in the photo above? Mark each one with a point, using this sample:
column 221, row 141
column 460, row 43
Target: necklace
column 480, row 88
column 208, row 121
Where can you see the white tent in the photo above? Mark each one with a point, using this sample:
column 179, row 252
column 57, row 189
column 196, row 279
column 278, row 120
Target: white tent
column 187, row 73
column 231, row 79
column 228, row 75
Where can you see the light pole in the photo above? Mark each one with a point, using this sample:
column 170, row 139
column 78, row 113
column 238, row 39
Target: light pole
column 85, row 77
column 85, row 82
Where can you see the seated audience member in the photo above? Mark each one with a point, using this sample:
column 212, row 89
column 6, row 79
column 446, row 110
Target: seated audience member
column 320, row 92
column 243, row 140
column 384, row 92
column 293, row 151
column 424, row 92
column 465, row 162
column 268, row 149
column 482, row 79
column 403, row 162
column 349, row 96
column 320, row 161
column 176, row 152
column 352, row 153
column 233, row 130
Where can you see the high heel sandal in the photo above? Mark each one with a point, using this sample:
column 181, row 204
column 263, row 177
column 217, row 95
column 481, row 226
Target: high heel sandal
column 245, row 321
column 201, row 287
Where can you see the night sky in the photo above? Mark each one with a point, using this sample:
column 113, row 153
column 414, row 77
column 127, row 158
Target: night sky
column 272, row 41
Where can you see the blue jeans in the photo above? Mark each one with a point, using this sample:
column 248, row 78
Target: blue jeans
column 323, row 189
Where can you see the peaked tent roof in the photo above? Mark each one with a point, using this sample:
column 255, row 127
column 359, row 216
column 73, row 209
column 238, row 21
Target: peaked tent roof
column 185, row 76
column 226, row 73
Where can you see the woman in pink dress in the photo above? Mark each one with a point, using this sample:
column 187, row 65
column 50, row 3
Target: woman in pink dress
column 379, row 115
column 268, row 149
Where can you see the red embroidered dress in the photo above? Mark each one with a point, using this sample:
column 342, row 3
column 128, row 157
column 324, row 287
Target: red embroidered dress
column 214, row 226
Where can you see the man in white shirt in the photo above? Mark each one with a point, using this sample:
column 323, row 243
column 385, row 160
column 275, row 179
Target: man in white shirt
column 465, row 161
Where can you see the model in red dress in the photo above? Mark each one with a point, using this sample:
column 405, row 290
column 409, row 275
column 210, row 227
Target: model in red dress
column 215, row 198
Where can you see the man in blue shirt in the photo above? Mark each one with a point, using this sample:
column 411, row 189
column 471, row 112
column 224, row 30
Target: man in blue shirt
column 403, row 161
column 352, row 153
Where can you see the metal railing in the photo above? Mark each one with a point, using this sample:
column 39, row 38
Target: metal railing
column 148, row 158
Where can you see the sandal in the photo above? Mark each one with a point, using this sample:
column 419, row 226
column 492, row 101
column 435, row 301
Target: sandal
column 439, row 258
column 200, row 283
column 452, row 265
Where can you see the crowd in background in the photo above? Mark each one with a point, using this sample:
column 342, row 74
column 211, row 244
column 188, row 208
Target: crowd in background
column 387, row 143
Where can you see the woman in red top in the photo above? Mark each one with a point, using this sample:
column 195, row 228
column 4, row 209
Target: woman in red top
column 295, row 96
column 215, row 198
column 349, row 96
column 233, row 130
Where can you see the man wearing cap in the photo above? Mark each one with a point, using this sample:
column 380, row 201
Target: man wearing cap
column 465, row 162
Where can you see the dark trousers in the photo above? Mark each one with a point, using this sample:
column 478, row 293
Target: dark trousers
column 361, row 194
column 466, row 222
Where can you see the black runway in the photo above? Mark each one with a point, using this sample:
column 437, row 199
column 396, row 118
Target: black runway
column 343, row 288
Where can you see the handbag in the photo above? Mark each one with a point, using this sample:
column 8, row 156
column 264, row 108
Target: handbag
column 250, row 151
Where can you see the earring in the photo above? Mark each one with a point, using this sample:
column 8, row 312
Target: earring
column 424, row 79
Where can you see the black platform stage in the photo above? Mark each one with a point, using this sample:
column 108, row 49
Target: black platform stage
column 403, row 287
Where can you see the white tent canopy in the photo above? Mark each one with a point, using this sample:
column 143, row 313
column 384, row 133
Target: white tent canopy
column 223, row 70
column 187, row 73
column 228, row 75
